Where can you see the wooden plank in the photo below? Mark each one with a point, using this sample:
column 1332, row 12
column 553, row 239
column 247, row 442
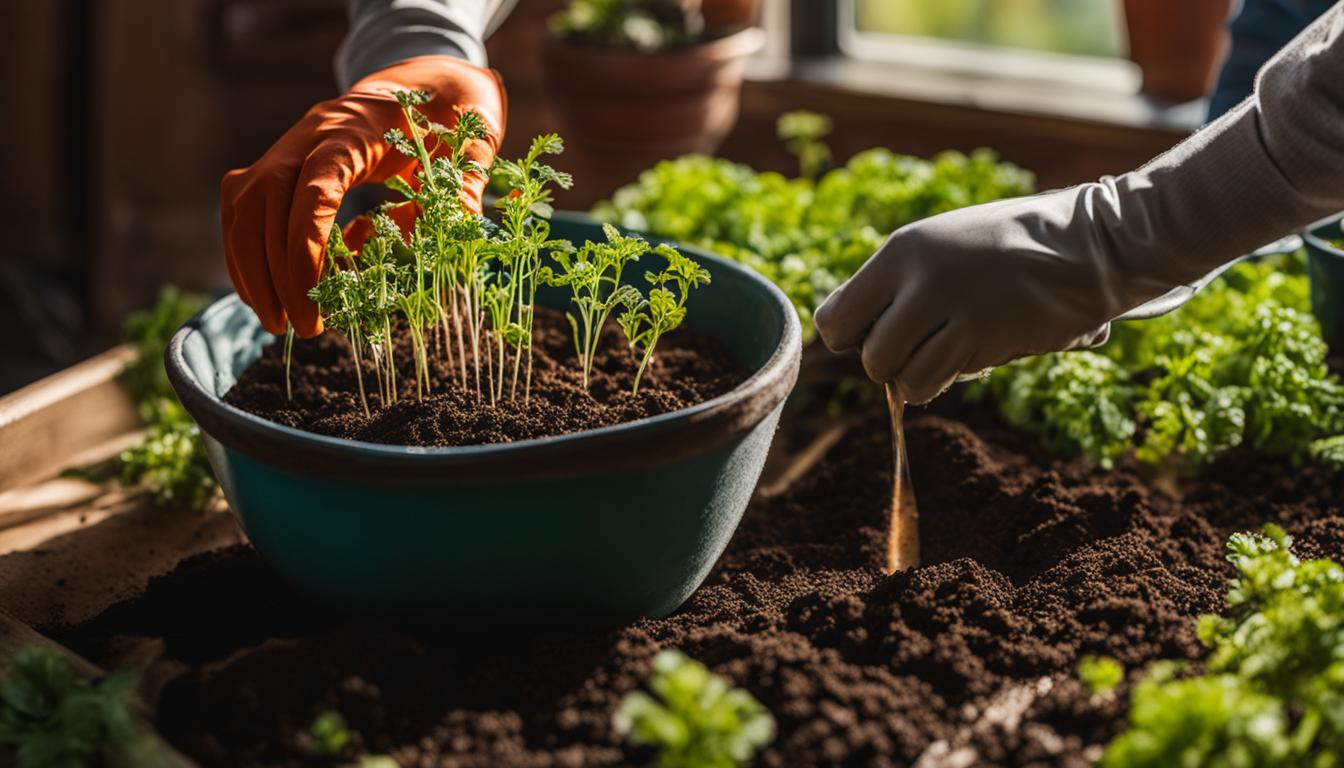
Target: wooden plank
column 45, row 424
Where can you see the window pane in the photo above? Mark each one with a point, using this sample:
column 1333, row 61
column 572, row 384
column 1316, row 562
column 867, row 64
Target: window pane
column 1085, row 27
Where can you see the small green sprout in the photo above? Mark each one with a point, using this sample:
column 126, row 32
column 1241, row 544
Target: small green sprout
column 694, row 718
column 328, row 734
column 593, row 275
column 646, row 322
column 466, row 287
column 289, row 359
column 1100, row 673
column 51, row 717
column 803, row 133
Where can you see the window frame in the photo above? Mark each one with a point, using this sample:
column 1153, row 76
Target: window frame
column 1095, row 73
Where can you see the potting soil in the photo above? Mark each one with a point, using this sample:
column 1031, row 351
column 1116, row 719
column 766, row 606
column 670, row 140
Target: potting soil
column 687, row 369
column 1028, row 566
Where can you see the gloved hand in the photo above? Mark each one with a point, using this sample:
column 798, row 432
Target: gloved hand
column 977, row 287
column 277, row 213
column 980, row 286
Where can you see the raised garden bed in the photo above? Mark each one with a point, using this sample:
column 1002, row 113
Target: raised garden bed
column 1043, row 578
column 1033, row 567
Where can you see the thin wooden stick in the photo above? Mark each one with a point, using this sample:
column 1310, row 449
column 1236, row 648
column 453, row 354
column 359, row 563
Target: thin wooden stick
column 903, row 531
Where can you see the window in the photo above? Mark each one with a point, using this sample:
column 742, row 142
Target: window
column 1077, row 27
column 1079, row 42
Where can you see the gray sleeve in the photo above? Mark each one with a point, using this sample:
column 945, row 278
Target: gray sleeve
column 384, row 32
column 1271, row 166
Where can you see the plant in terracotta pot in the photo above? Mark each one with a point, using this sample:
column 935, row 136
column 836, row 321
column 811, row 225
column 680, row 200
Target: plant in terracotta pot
column 531, row 413
column 1177, row 45
column 636, row 81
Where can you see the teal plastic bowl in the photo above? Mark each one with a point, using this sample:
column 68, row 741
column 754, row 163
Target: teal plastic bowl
column 1325, row 265
column 612, row 523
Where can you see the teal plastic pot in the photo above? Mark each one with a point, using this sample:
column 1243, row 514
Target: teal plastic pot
column 612, row 523
column 1325, row 265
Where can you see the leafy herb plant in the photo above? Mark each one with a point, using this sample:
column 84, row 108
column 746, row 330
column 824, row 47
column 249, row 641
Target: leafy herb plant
column 1272, row 693
column 50, row 717
column 464, row 288
column 169, row 466
column 645, row 25
column 1242, row 365
column 694, row 718
column 806, row 234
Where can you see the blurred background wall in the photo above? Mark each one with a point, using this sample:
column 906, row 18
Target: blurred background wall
column 122, row 115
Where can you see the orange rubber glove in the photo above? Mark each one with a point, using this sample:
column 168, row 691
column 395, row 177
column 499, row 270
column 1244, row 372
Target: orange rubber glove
column 277, row 213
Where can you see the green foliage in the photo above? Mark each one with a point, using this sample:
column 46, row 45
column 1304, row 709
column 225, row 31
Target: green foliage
column 593, row 275
column 169, row 465
column 694, row 718
column 1242, row 364
column 148, row 331
column 645, row 321
column 802, row 133
column 328, row 734
column 464, row 286
column 1210, row 720
column 1079, row 403
column 645, row 25
column 1273, row 691
column 1100, row 673
column 50, row 717
column 805, row 235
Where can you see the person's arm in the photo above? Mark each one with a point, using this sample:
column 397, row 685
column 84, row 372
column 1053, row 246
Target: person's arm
column 980, row 286
column 386, row 32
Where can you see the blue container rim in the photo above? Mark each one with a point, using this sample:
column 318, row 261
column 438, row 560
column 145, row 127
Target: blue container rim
column 660, row 438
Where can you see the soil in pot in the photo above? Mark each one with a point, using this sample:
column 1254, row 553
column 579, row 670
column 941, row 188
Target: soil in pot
column 1031, row 565
column 687, row 369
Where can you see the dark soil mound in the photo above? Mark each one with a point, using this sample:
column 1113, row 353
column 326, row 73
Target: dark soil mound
column 1030, row 568
column 687, row 369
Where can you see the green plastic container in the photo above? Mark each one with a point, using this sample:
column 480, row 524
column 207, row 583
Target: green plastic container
column 1325, row 265
column 612, row 523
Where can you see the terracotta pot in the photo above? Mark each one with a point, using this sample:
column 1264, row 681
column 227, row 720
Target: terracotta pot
column 1178, row 44
column 729, row 14
column 643, row 107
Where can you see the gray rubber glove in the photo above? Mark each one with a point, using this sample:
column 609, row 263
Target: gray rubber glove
column 977, row 287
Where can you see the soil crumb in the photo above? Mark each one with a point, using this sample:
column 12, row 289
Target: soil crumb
column 1028, row 568
column 687, row 369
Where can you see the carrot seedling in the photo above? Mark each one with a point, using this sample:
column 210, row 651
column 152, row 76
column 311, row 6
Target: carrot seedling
column 593, row 275
column 665, row 308
column 463, row 284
